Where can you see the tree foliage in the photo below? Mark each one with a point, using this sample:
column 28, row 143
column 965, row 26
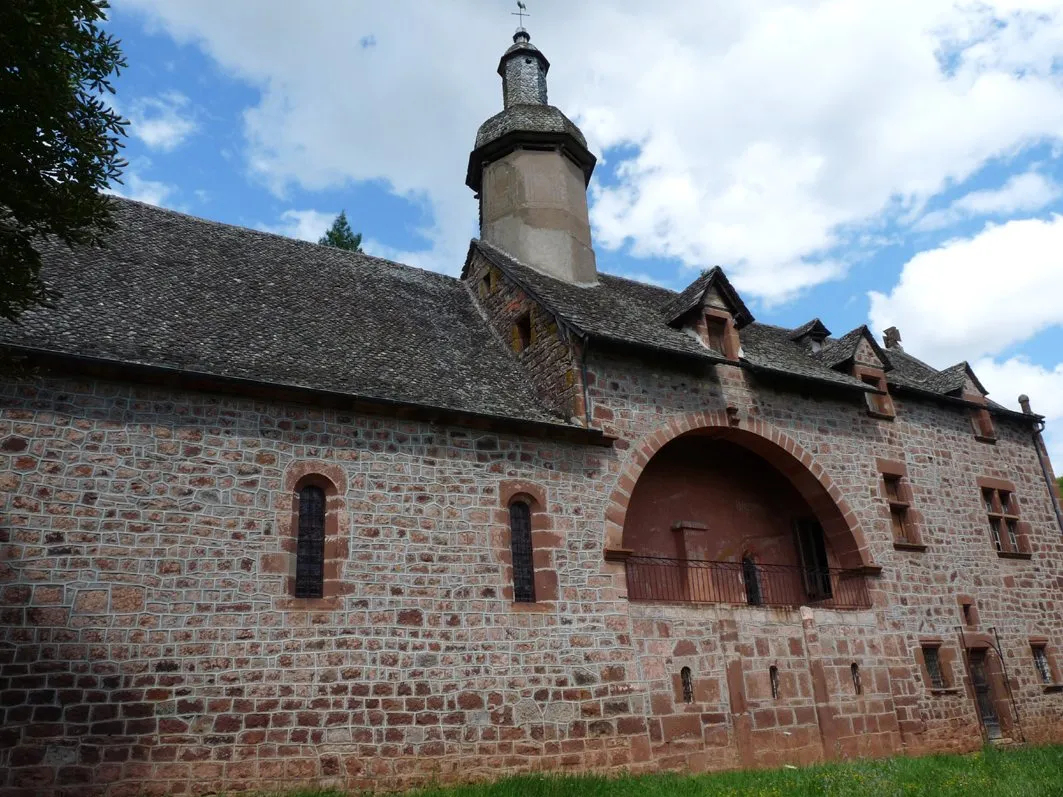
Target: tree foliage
column 1059, row 484
column 59, row 140
column 341, row 236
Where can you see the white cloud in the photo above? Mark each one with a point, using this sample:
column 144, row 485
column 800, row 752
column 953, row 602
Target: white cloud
column 152, row 192
column 976, row 296
column 760, row 136
column 1006, row 380
column 306, row 225
column 164, row 122
column 1021, row 193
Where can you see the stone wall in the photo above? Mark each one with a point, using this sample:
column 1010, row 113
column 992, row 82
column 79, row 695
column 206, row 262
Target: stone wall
column 149, row 643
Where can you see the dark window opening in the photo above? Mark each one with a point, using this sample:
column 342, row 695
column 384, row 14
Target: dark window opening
column 522, row 332
column 752, row 579
column 968, row 615
column 1013, row 533
column 520, row 543
column 893, row 488
column 854, row 669
column 485, row 285
column 933, row 667
column 310, row 544
column 688, row 685
column 1040, row 659
column 812, row 551
column 716, row 334
column 773, row 676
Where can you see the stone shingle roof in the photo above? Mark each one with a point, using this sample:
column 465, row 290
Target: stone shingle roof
column 179, row 292
column 614, row 309
column 841, row 350
column 815, row 328
column 624, row 311
column 693, row 294
column 176, row 292
column 534, row 118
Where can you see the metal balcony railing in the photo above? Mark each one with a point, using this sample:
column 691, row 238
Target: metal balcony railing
column 651, row 578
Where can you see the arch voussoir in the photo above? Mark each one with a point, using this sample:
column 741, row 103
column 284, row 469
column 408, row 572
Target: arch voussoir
column 784, row 453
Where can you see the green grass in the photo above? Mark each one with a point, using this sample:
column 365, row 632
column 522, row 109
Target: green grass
column 1024, row 772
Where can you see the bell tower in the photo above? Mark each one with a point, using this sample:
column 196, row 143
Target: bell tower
column 530, row 168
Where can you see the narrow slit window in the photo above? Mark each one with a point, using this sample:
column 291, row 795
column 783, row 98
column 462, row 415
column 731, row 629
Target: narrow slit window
column 520, row 542
column 854, row 670
column 1040, row 660
column 752, row 578
column 773, row 676
column 933, row 667
column 688, row 685
column 522, row 333
column 310, row 544
column 968, row 615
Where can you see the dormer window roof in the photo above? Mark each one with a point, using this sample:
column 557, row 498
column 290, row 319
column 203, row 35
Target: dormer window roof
column 811, row 334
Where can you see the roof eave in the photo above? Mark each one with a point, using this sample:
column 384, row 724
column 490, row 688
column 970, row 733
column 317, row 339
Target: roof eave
column 190, row 379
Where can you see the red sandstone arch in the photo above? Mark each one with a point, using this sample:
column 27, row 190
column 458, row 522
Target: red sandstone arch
column 840, row 524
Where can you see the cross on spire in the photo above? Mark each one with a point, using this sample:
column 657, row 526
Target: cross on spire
column 522, row 12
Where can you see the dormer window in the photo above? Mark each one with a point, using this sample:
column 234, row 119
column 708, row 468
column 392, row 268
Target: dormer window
column 816, row 346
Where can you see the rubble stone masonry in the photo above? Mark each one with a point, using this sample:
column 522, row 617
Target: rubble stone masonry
column 150, row 642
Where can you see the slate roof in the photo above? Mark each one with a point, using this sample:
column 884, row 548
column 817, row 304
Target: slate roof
column 692, row 296
column 814, row 328
column 195, row 296
column 624, row 311
column 180, row 292
column 614, row 309
column 524, row 118
column 839, row 351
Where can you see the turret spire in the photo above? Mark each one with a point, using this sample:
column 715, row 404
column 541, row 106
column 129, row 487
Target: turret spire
column 530, row 169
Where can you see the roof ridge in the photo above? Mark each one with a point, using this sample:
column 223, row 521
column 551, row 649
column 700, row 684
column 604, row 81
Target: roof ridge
column 637, row 282
column 287, row 239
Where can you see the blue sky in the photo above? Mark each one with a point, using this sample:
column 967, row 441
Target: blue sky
column 883, row 162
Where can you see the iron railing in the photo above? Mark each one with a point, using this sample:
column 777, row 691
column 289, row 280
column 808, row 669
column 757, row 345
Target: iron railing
column 651, row 578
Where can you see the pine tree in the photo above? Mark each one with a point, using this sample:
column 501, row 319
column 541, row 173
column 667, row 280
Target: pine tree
column 341, row 236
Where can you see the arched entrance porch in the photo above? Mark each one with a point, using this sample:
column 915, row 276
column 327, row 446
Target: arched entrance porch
column 719, row 513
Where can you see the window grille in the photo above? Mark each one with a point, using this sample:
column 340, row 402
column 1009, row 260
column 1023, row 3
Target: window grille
column 1040, row 659
column 310, row 544
column 1003, row 523
column 773, row 676
column 688, row 685
column 520, row 542
column 933, row 667
column 854, row 669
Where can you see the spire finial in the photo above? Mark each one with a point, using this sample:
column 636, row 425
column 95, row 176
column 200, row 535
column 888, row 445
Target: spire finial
column 522, row 12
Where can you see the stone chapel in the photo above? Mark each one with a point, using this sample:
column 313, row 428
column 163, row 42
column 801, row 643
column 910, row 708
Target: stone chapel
column 277, row 514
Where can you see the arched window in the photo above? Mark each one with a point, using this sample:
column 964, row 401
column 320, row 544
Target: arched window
column 520, row 543
column 310, row 543
column 688, row 685
column 858, row 687
column 773, row 675
column 752, row 579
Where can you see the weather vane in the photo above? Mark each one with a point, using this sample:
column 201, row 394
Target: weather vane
column 521, row 12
